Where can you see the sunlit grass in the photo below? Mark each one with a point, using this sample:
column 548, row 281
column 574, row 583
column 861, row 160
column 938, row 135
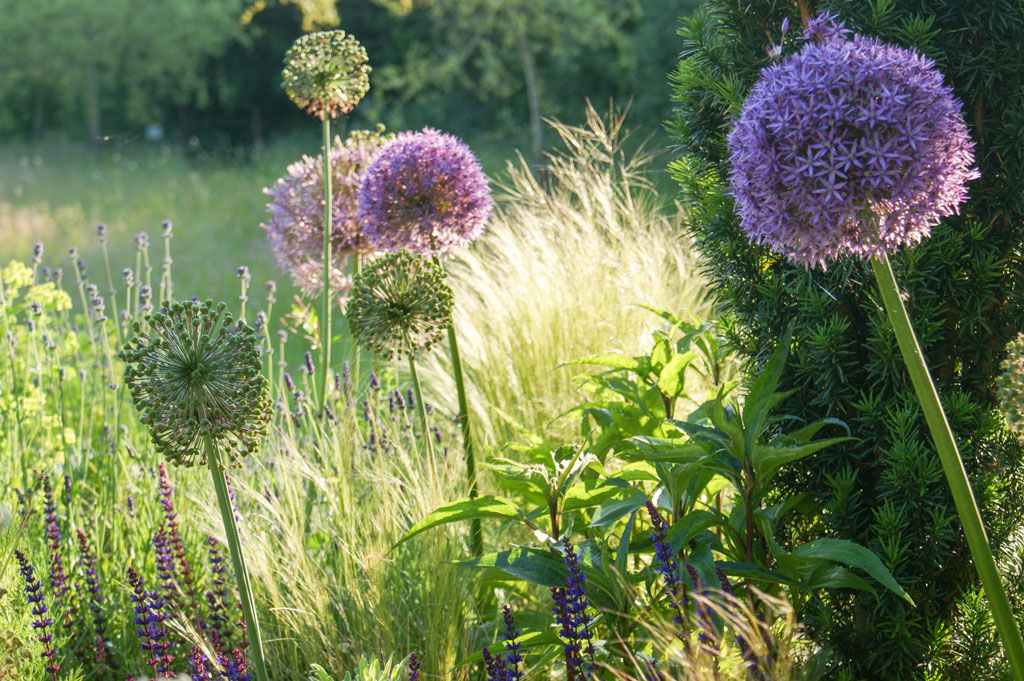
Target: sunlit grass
column 566, row 263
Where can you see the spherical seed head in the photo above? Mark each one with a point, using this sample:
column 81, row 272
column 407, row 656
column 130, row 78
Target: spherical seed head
column 400, row 304
column 1010, row 386
column 295, row 204
column 848, row 147
column 425, row 192
column 326, row 73
column 196, row 373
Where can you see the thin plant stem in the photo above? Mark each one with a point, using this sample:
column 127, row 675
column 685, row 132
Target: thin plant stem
column 476, row 538
column 111, row 292
column 252, row 625
column 952, row 465
column 357, row 267
column 422, row 411
column 325, row 303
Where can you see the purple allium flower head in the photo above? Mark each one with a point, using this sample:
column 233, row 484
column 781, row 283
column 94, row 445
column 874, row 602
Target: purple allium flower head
column 296, row 206
column 425, row 193
column 849, row 146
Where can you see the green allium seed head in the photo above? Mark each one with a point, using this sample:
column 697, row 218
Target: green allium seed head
column 196, row 373
column 326, row 73
column 400, row 303
column 1010, row 385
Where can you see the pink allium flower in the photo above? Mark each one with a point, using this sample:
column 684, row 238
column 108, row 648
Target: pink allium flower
column 425, row 193
column 849, row 146
column 296, row 207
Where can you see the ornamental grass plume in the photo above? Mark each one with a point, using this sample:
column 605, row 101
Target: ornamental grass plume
column 426, row 193
column 195, row 378
column 295, row 228
column 854, row 147
column 849, row 146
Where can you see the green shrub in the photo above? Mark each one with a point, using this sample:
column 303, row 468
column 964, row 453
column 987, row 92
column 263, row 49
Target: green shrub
column 885, row 490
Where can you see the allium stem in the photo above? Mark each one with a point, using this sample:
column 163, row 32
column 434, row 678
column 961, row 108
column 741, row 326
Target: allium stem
column 227, row 515
column 422, row 411
column 325, row 306
column 952, row 464
column 476, row 538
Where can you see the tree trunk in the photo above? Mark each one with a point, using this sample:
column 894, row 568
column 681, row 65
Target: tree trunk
column 532, row 95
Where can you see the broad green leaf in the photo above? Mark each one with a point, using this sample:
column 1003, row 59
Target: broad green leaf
column 767, row 459
column 622, row 552
column 528, row 641
column 486, row 506
column 671, row 380
column 755, row 573
column 661, row 354
column 610, row 360
column 853, row 555
column 767, row 381
column 611, row 511
column 545, row 568
column 832, row 576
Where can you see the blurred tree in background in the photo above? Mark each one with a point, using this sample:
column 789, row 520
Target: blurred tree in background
column 71, row 63
column 208, row 71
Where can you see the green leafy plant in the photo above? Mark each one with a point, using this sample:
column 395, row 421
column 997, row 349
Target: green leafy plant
column 712, row 471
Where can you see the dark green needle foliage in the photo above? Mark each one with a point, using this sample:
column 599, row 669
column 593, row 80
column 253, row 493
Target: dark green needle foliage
column 194, row 372
column 965, row 292
column 400, row 304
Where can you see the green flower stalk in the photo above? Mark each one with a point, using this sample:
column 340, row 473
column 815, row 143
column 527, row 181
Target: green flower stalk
column 401, row 303
column 194, row 376
column 326, row 74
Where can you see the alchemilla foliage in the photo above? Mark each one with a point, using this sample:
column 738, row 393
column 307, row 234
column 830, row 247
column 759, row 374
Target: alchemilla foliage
column 884, row 489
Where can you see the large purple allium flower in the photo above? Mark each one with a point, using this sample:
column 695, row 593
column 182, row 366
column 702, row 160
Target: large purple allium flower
column 296, row 225
column 849, row 146
column 424, row 193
